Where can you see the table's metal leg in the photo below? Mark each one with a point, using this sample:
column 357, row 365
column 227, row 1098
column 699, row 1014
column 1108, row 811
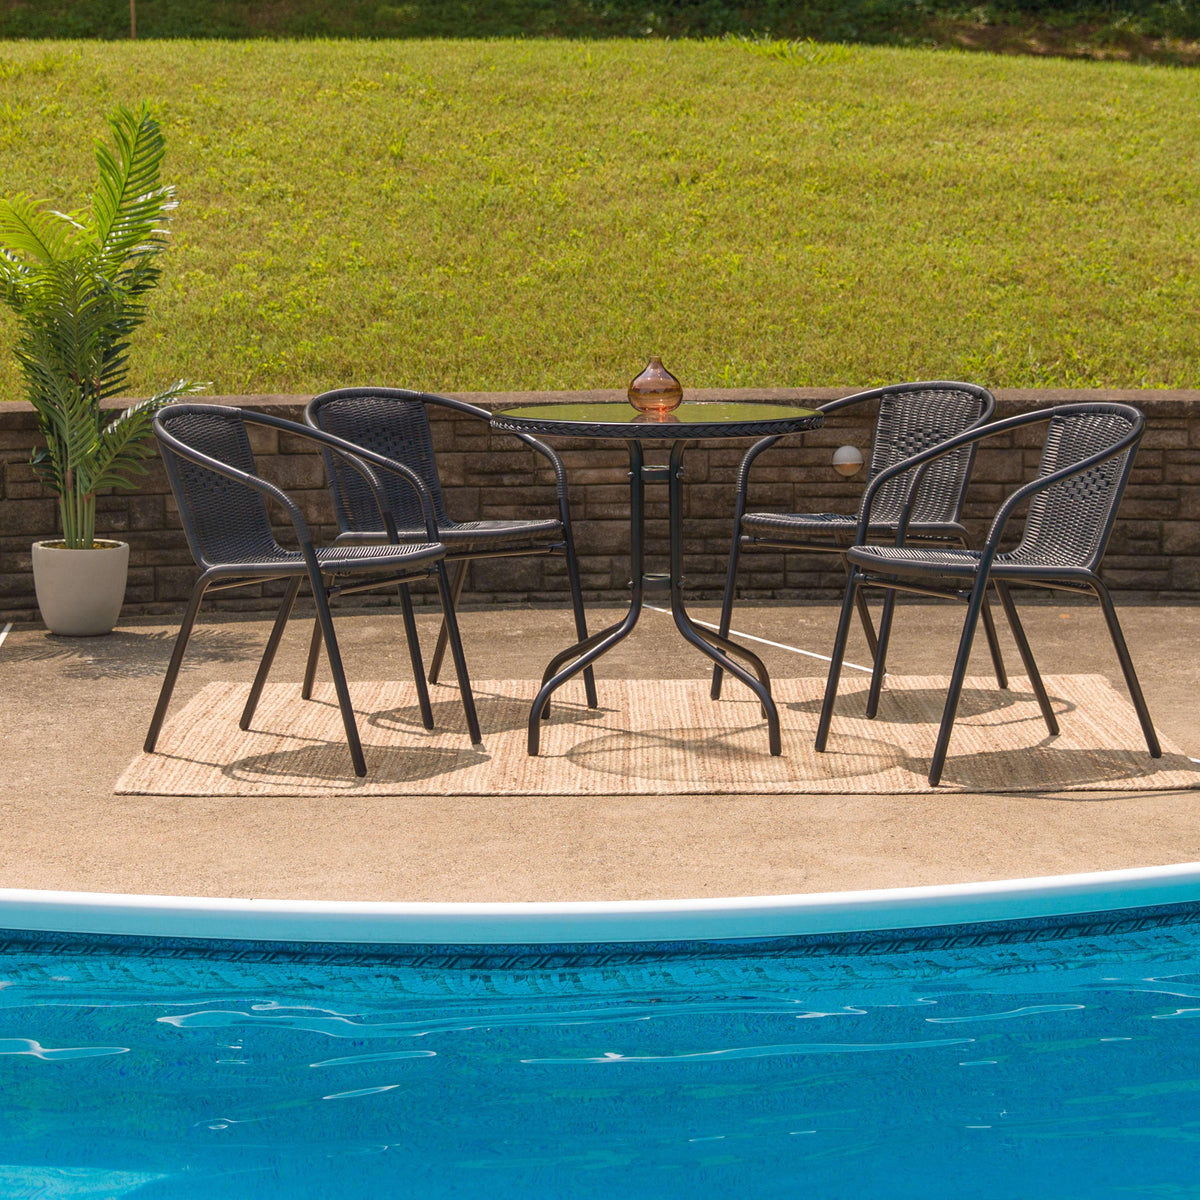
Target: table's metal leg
column 725, row 653
column 720, row 649
column 584, row 653
column 599, row 642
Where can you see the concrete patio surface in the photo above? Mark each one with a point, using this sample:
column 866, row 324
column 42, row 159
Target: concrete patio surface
column 76, row 710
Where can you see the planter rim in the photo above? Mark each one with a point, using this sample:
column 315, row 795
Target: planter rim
column 54, row 544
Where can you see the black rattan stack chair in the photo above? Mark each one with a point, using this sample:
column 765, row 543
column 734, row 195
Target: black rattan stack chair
column 1072, row 503
column 911, row 417
column 222, row 504
column 395, row 423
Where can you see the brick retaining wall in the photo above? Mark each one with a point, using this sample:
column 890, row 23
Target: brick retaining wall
column 1154, row 550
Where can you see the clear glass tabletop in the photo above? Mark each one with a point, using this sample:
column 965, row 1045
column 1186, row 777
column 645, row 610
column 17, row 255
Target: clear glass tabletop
column 692, row 419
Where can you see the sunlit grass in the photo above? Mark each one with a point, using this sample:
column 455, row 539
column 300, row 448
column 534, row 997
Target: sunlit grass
column 496, row 215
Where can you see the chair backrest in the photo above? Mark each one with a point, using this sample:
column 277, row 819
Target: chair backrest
column 917, row 416
column 224, row 520
column 390, row 422
column 1069, row 523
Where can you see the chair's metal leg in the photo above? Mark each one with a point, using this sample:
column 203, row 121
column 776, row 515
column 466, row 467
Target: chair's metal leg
column 735, row 553
column 879, row 666
column 272, row 647
column 864, row 613
column 1035, row 677
column 314, row 657
column 835, row 659
column 1131, row 679
column 450, row 622
column 457, row 579
column 864, row 616
column 168, row 686
column 414, row 653
column 581, row 630
column 325, row 619
column 989, row 629
column 974, row 606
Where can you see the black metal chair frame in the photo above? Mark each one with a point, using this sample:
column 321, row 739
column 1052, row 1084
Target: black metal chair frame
column 399, row 563
column 838, row 541
column 899, row 569
column 464, row 545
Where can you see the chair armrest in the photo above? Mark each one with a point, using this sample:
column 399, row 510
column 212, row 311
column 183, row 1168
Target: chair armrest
column 372, row 480
column 742, row 481
column 556, row 464
column 462, row 406
column 359, row 457
column 992, row 543
column 978, row 434
column 837, row 405
column 473, row 410
column 832, row 406
column 482, row 414
column 552, row 456
column 925, row 457
column 910, row 502
column 255, row 482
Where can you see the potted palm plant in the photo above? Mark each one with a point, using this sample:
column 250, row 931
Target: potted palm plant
column 77, row 284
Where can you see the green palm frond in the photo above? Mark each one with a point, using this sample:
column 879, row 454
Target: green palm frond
column 67, row 421
column 74, row 281
column 124, row 442
column 57, row 409
column 13, row 274
column 131, row 201
column 80, row 320
column 27, row 228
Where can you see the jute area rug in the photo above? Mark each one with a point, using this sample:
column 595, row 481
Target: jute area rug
column 656, row 737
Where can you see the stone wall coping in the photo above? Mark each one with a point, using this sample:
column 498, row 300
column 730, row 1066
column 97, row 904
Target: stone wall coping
column 1161, row 401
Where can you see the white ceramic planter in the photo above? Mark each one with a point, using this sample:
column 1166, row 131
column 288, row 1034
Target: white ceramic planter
column 80, row 592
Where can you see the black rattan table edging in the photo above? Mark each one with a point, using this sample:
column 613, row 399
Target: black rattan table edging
column 694, row 421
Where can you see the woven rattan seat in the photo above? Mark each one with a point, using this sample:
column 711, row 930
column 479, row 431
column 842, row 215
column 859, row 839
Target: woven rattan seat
column 1070, row 507
column 943, row 561
column 910, row 418
column 955, row 563
column 337, row 559
column 394, row 423
column 759, row 526
column 222, row 505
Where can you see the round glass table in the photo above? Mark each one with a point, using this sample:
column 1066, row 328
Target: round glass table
column 690, row 422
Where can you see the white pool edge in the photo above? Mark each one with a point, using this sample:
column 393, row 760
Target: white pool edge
column 582, row 922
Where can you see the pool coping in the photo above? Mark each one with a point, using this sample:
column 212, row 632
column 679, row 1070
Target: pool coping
column 544, row 923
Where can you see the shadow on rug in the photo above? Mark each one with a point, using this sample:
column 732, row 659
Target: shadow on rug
column 661, row 737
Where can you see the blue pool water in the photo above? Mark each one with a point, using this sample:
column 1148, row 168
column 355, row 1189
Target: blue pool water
column 1042, row 1064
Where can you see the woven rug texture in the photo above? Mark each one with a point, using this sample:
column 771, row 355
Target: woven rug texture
column 661, row 737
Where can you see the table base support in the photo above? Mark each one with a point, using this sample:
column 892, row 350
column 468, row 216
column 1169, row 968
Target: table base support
column 723, row 652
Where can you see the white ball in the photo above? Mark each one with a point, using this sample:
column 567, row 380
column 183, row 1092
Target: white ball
column 847, row 460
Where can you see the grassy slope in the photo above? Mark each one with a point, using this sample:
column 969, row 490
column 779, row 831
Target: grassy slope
column 544, row 214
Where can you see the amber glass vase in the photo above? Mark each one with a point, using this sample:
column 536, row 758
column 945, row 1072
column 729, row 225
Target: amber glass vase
column 655, row 390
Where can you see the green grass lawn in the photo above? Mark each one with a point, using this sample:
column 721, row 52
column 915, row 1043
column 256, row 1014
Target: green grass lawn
column 545, row 214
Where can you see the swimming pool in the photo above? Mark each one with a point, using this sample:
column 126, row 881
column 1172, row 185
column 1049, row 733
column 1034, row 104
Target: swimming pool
column 1055, row 1056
